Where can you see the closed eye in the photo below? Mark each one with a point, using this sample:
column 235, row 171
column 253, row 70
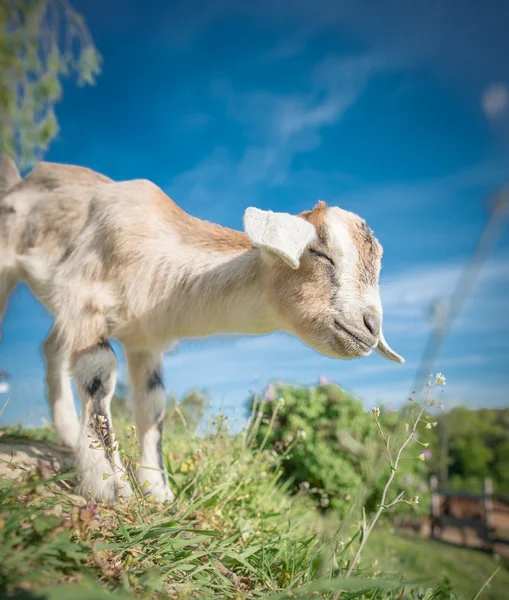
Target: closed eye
column 322, row 255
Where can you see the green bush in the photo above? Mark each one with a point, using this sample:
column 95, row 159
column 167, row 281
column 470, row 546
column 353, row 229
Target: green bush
column 331, row 443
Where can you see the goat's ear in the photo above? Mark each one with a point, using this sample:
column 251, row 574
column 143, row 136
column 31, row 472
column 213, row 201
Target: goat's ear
column 281, row 233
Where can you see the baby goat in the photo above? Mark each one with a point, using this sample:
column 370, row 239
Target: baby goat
column 121, row 260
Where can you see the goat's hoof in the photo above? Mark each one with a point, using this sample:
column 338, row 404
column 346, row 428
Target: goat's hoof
column 108, row 490
column 123, row 492
column 159, row 494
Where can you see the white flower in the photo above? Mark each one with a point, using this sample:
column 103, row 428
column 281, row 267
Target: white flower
column 415, row 500
column 375, row 412
column 302, row 434
column 440, row 379
column 281, row 401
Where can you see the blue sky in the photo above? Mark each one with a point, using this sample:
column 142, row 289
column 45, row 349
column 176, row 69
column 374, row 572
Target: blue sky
column 395, row 110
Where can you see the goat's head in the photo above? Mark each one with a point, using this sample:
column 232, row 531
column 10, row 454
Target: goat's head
column 322, row 278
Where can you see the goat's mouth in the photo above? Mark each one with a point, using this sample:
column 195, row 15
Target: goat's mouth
column 362, row 343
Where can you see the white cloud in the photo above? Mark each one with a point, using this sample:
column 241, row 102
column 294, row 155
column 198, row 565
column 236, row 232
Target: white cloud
column 278, row 126
column 408, row 197
column 285, row 49
column 407, row 299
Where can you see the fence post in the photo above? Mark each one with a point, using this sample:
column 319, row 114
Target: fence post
column 435, row 505
column 488, row 510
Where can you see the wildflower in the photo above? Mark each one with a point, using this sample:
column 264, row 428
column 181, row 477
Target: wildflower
column 304, row 486
column 323, row 380
column 302, row 434
column 324, row 501
column 415, row 500
column 427, row 454
column 440, row 379
column 441, row 407
column 270, row 393
column 281, row 401
column 375, row 412
column 101, row 419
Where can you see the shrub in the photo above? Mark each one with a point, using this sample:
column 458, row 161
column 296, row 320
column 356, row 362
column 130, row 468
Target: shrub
column 331, row 442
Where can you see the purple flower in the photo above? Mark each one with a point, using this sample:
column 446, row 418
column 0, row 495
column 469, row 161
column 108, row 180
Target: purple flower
column 323, row 380
column 270, row 393
column 427, row 454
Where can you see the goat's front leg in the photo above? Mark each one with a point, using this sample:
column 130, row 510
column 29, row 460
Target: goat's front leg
column 149, row 399
column 59, row 390
column 97, row 458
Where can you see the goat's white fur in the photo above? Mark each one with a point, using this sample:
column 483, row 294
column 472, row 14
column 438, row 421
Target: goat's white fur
column 121, row 260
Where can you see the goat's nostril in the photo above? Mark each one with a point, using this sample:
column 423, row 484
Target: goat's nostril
column 372, row 322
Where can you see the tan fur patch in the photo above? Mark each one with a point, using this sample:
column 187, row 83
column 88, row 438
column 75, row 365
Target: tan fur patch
column 369, row 250
column 52, row 175
column 202, row 234
column 318, row 217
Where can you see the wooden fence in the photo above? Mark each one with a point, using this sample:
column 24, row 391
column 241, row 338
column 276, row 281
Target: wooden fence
column 465, row 511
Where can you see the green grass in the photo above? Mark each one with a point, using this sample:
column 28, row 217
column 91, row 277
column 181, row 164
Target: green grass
column 233, row 532
column 466, row 569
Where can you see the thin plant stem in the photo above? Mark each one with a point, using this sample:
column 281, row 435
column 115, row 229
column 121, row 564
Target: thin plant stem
column 367, row 529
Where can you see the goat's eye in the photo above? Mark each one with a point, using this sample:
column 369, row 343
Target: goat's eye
column 322, row 255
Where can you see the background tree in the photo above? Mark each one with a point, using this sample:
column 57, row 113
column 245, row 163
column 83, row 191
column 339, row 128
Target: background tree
column 473, row 444
column 41, row 41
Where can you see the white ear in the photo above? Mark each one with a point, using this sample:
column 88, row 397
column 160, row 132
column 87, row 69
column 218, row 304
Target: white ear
column 282, row 233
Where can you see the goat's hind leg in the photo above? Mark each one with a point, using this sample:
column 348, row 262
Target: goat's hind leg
column 97, row 458
column 145, row 376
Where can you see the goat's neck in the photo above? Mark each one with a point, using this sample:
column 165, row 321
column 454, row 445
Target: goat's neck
column 223, row 293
